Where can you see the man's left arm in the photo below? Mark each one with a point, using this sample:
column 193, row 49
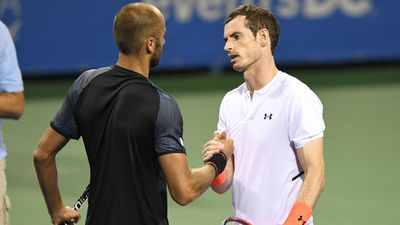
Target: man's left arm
column 11, row 104
column 311, row 158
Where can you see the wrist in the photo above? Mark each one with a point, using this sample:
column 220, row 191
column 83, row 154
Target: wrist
column 299, row 214
column 220, row 179
column 218, row 161
column 55, row 209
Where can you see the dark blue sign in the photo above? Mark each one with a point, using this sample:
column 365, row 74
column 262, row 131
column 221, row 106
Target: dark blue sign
column 67, row 36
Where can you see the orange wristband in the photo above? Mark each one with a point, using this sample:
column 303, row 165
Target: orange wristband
column 299, row 214
column 220, row 179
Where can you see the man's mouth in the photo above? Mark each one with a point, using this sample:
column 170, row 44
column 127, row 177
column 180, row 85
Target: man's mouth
column 233, row 56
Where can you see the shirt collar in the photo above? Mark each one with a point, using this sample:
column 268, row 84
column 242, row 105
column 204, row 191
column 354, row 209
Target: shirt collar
column 264, row 90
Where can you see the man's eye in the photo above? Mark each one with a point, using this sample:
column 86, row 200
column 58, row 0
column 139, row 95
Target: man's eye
column 236, row 37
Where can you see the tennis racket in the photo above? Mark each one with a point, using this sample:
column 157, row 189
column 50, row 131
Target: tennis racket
column 82, row 199
column 235, row 220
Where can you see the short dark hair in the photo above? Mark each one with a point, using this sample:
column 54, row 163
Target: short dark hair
column 257, row 18
column 133, row 24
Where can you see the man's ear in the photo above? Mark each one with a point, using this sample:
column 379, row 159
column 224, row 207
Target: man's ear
column 263, row 34
column 150, row 44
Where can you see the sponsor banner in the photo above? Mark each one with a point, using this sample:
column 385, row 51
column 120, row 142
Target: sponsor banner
column 67, row 36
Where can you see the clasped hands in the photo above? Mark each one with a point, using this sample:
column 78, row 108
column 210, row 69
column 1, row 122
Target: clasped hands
column 220, row 143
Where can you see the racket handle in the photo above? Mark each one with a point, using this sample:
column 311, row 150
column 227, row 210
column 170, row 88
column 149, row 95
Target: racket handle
column 81, row 200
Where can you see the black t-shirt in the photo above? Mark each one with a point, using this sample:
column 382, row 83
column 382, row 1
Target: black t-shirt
column 126, row 122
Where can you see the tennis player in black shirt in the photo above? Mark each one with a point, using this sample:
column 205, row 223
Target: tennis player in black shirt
column 132, row 132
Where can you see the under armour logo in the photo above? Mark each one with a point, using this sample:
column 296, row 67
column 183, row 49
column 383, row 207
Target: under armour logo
column 268, row 115
column 300, row 219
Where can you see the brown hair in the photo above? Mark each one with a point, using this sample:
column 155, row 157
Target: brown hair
column 257, row 18
column 133, row 24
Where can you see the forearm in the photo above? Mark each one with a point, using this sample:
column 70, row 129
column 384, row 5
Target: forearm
column 185, row 184
column 226, row 180
column 312, row 187
column 11, row 105
column 312, row 161
column 200, row 179
column 45, row 166
column 47, row 176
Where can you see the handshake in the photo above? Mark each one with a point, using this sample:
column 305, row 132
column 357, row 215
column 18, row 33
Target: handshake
column 218, row 151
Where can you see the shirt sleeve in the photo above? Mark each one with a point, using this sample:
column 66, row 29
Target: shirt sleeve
column 306, row 121
column 10, row 73
column 169, row 127
column 64, row 122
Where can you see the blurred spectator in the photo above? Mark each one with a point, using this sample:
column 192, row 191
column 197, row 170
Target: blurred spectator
column 11, row 105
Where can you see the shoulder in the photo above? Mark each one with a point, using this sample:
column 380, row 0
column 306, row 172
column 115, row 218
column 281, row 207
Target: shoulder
column 6, row 42
column 3, row 27
column 292, row 82
column 86, row 77
column 82, row 82
column 165, row 98
column 295, row 88
column 5, row 37
column 3, row 30
column 235, row 93
column 297, row 94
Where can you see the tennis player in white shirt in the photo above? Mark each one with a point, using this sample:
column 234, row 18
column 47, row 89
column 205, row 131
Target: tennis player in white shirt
column 276, row 122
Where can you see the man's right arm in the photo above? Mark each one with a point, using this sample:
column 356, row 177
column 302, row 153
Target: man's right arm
column 185, row 184
column 44, row 160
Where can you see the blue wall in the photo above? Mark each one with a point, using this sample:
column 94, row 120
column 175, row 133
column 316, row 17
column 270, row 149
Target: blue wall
column 65, row 36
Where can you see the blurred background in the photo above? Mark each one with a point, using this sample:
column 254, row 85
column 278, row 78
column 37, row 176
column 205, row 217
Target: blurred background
column 347, row 51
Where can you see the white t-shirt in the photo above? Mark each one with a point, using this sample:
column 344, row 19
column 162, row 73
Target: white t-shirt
column 266, row 129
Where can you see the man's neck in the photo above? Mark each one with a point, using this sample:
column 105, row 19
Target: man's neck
column 134, row 63
column 260, row 75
